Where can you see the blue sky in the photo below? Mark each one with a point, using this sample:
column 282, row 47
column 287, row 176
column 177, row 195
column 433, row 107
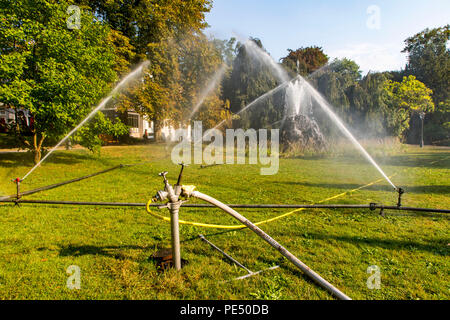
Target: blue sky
column 369, row 32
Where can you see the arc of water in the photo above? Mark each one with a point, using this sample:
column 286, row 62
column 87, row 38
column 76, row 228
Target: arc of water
column 327, row 108
column 282, row 75
column 268, row 93
column 207, row 91
column 257, row 52
column 124, row 81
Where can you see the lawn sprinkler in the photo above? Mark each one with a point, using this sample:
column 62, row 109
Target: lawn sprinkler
column 173, row 195
column 250, row 273
column 17, row 181
column 400, row 193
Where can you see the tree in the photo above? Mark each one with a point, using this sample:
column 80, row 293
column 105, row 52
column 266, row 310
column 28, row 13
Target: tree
column 409, row 96
column 157, row 31
column 57, row 73
column 429, row 61
column 249, row 79
column 200, row 60
column 334, row 82
column 368, row 105
column 305, row 60
column 151, row 21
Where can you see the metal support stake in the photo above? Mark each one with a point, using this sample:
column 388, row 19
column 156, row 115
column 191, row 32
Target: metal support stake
column 400, row 193
column 172, row 193
column 422, row 117
column 250, row 273
column 17, row 181
column 175, row 230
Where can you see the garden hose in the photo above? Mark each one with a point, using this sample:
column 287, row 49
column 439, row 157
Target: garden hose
column 235, row 227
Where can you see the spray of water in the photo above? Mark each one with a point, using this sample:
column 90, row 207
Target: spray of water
column 120, row 85
column 212, row 84
column 264, row 57
column 282, row 75
column 254, row 102
column 328, row 109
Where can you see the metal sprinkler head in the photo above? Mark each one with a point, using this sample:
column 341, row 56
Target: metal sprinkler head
column 180, row 176
column 17, row 181
column 400, row 193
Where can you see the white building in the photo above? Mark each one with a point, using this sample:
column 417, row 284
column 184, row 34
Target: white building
column 9, row 116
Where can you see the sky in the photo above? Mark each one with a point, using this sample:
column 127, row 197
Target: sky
column 372, row 33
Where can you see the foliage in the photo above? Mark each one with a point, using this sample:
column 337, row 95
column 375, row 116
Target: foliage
column 305, row 60
column 411, row 94
column 182, row 59
column 150, row 21
column 56, row 73
column 335, row 81
column 429, row 61
column 249, row 79
column 90, row 136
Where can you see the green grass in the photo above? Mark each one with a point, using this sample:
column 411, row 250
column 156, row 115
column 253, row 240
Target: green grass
column 112, row 246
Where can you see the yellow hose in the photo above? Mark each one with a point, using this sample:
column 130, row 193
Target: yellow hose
column 231, row 227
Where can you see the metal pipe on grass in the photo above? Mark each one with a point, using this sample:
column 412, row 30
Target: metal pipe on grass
column 307, row 270
column 56, row 185
column 242, row 206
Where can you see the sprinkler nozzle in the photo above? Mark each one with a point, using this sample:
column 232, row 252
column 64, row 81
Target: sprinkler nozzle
column 160, row 196
column 180, row 176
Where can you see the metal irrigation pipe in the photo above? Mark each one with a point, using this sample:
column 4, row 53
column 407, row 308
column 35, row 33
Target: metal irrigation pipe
column 372, row 206
column 307, row 270
column 56, row 185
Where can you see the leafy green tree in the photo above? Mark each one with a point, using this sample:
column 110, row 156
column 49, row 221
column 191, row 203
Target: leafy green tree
column 405, row 98
column 227, row 48
column 429, row 61
column 249, row 79
column 200, row 62
column 334, row 82
column 157, row 31
column 94, row 134
column 305, row 60
column 347, row 69
column 151, row 21
column 57, row 73
column 368, row 105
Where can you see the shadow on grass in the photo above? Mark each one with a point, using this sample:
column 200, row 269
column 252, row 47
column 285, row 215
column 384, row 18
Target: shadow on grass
column 413, row 160
column 439, row 248
column 15, row 159
column 441, row 189
column 107, row 251
column 425, row 160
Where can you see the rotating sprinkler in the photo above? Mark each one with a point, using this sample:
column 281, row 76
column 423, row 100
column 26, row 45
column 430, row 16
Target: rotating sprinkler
column 17, row 181
column 173, row 195
column 400, row 193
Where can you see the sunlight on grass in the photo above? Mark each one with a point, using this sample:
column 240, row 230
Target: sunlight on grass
column 112, row 246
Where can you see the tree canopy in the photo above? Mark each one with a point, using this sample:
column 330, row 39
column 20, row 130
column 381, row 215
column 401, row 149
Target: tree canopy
column 57, row 73
column 305, row 60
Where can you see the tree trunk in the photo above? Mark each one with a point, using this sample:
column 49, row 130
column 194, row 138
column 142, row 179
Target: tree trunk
column 37, row 156
column 157, row 130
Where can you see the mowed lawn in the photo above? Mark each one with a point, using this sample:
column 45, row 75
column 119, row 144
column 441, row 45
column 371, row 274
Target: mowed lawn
column 112, row 246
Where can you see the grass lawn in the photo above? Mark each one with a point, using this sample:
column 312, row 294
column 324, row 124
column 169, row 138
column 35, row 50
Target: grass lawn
column 112, row 246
